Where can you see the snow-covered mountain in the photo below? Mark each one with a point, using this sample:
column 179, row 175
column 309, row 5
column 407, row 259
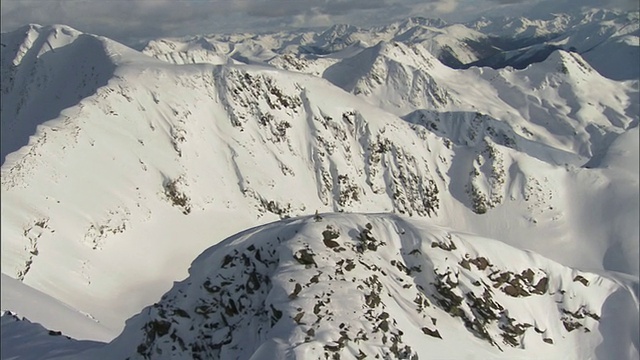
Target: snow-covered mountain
column 350, row 286
column 122, row 166
column 454, row 44
column 564, row 88
column 607, row 39
column 36, row 63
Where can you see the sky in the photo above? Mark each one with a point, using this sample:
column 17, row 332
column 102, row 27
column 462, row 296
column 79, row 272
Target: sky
column 130, row 21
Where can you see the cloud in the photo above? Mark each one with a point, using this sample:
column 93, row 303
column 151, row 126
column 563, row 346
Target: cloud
column 436, row 8
column 508, row 1
column 126, row 20
column 279, row 8
column 313, row 18
column 131, row 20
column 120, row 18
column 625, row 5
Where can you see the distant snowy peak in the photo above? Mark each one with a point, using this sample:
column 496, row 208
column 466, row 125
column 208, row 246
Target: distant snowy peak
column 402, row 79
column 415, row 56
column 597, row 114
column 565, row 61
column 449, row 43
column 606, row 39
column 30, row 43
column 35, row 40
column 41, row 60
column 416, row 21
column 496, row 42
column 392, row 72
column 610, row 45
column 356, row 286
column 522, row 27
column 337, row 37
column 553, row 23
column 198, row 50
column 38, row 62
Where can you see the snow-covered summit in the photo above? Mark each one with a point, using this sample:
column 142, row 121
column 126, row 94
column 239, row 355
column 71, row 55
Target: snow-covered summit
column 39, row 61
column 355, row 286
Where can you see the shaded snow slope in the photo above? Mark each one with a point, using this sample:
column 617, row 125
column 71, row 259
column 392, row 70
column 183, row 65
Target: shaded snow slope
column 22, row 339
column 49, row 312
column 354, row 286
column 37, row 62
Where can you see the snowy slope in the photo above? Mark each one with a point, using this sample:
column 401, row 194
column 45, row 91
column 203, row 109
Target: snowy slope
column 21, row 339
column 45, row 310
column 355, row 286
column 37, row 62
column 112, row 188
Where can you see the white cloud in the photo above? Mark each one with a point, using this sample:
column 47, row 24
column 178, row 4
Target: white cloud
column 312, row 18
column 128, row 20
column 124, row 19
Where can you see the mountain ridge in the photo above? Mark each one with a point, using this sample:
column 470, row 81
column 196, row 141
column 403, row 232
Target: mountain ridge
column 333, row 251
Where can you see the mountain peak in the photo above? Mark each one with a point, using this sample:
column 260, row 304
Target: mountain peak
column 367, row 285
column 569, row 62
column 423, row 21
